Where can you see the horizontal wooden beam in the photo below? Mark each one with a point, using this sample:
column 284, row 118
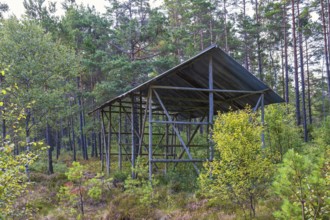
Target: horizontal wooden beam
column 208, row 90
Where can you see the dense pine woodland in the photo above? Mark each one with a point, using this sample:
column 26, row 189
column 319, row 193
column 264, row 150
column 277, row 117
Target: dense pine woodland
column 57, row 68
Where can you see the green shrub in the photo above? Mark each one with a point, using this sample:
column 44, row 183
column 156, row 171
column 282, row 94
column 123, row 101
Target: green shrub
column 120, row 176
column 240, row 172
column 302, row 183
column 39, row 166
column 60, row 167
column 141, row 186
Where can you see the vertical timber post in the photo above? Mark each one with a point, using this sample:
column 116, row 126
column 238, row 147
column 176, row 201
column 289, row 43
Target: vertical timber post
column 150, row 133
column 211, row 106
column 109, row 145
column 120, row 163
column 104, row 140
column 166, row 145
column 263, row 119
column 141, row 128
column 133, row 121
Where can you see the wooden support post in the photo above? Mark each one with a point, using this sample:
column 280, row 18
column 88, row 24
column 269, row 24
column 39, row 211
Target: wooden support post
column 263, row 119
column 141, row 130
column 108, row 149
column 166, row 145
column 104, row 141
column 175, row 137
column 133, row 123
column 150, row 133
column 211, row 106
column 120, row 160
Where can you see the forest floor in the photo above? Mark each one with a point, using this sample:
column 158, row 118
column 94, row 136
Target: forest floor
column 172, row 202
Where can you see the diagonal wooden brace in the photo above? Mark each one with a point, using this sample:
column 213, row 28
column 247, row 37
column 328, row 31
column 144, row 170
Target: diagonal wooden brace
column 175, row 130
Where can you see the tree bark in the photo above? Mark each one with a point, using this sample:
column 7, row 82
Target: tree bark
column 81, row 124
column 302, row 75
column 246, row 57
column 58, row 144
column 50, row 150
column 287, row 80
column 261, row 76
column 296, row 77
column 225, row 25
column 325, row 37
column 27, row 137
column 73, row 137
column 308, row 86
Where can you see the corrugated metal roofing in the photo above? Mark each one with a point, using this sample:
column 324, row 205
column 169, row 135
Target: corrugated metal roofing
column 227, row 74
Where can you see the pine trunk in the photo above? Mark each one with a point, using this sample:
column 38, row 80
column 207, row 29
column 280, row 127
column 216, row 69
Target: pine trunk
column 302, row 75
column 325, row 37
column 50, row 150
column 225, row 25
column 296, row 77
column 81, row 124
column 58, row 144
column 261, row 76
column 73, row 140
column 308, row 86
column 287, row 80
column 246, row 51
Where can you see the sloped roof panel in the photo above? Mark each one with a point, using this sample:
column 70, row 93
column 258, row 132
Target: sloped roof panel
column 227, row 74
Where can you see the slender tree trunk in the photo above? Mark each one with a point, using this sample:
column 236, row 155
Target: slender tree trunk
column 85, row 134
column 3, row 125
column 261, row 76
column 246, row 50
column 273, row 70
column 58, row 144
column 50, row 150
column 296, row 77
column 73, row 137
column 81, row 121
column 328, row 36
column 287, row 80
column 81, row 198
column 93, row 144
column 302, row 75
column 27, row 137
column 325, row 37
column 69, row 136
column 282, row 69
column 225, row 25
column 308, row 86
column 3, row 115
column 211, row 31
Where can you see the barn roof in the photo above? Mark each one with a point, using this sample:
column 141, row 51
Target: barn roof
column 234, row 86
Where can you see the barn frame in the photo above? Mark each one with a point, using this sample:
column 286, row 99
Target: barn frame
column 184, row 98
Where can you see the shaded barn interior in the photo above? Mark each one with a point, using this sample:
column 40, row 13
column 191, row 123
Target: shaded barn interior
column 166, row 112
